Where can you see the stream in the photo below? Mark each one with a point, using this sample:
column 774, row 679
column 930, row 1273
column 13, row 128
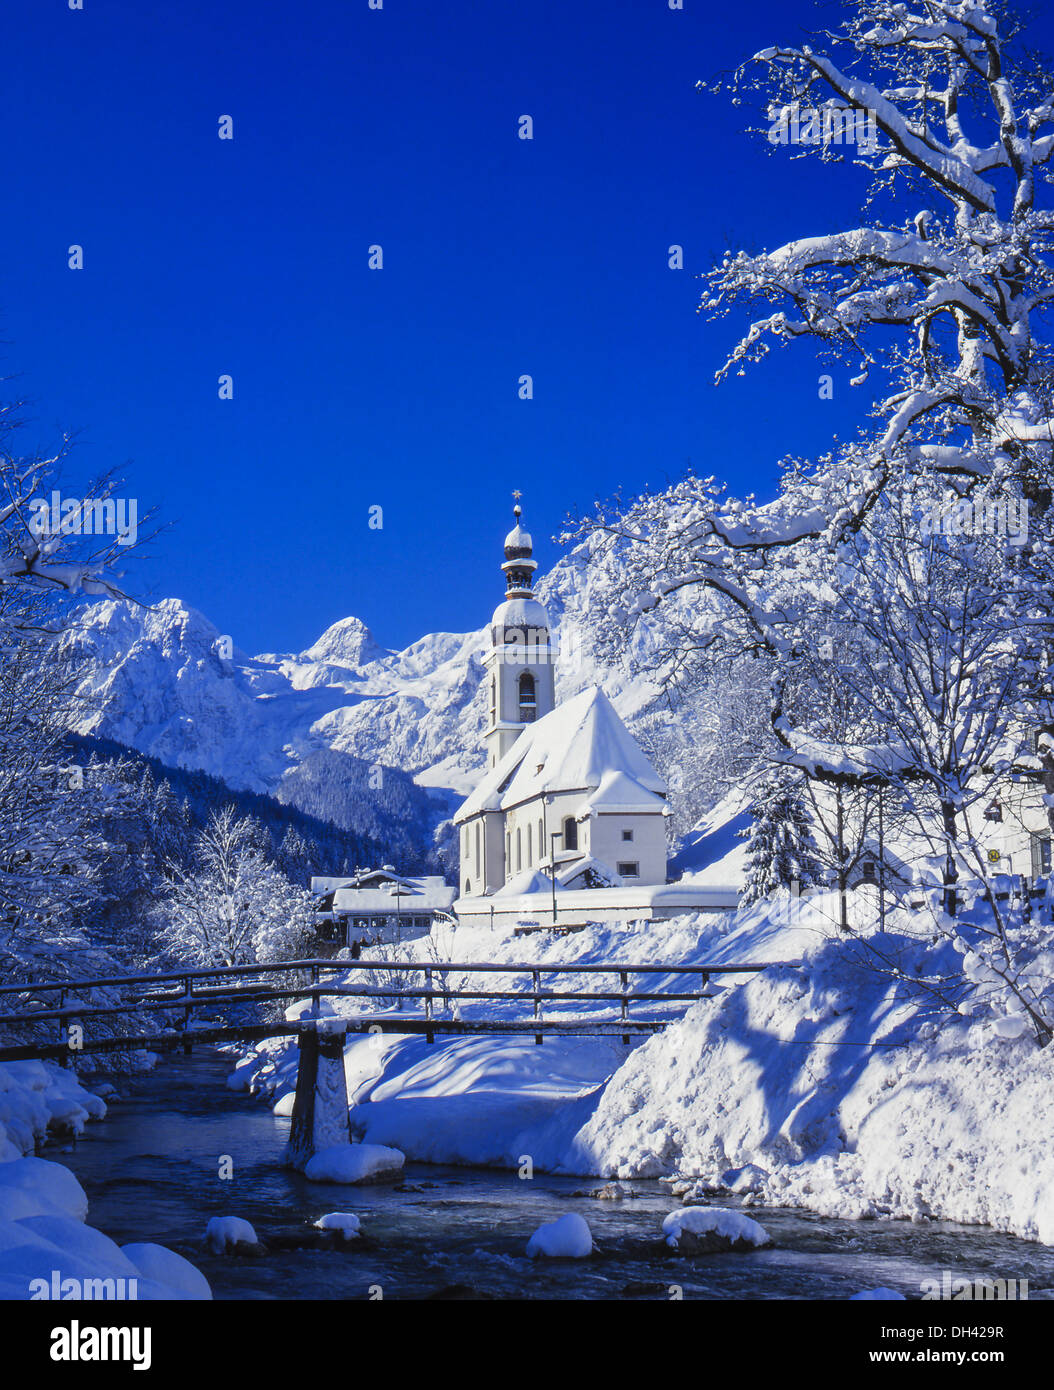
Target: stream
column 151, row 1172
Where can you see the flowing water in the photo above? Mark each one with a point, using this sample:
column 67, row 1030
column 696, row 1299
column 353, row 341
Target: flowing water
column 152, row 1173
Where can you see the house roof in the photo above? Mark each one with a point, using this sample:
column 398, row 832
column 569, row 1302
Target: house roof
column 424, row 895
column 570, row 749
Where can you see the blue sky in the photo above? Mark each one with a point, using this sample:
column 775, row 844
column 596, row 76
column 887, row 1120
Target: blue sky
column 356, row 388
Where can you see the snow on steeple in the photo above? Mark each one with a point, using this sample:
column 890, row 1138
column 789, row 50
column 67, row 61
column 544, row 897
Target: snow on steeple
column 518, row 565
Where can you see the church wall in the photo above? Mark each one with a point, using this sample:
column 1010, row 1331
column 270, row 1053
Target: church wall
column 477, row 875
column 647, row 848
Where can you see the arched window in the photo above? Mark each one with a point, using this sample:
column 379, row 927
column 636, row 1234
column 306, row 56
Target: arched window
column 570, row 833
column 530, row 851
column 543, row 848
column 493, row 696
column 519, row 851
column 508, row 855
column 477, row 849
column 468, row 888
column 528, row 699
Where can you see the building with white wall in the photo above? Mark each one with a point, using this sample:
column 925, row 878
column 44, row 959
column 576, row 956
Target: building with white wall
column 568, row 799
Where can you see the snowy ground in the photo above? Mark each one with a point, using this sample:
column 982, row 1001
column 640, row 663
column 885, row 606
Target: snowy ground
column 46, row 1248
column 844, row 1087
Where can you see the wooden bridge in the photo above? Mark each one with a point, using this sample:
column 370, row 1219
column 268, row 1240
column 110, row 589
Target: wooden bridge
column 182, row 994
column 431, row 989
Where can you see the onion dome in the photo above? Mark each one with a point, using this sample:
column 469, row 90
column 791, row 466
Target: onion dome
column 518, row 566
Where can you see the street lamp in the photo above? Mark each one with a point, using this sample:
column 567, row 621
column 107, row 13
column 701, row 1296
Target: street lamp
column 554, row 835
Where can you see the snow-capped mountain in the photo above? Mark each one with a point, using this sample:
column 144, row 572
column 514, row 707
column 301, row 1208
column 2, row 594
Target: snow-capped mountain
column 166, row 681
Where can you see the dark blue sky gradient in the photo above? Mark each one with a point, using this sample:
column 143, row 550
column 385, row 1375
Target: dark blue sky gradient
column 396, row 387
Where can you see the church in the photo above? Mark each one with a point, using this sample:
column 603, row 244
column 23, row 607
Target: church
column 568, row 799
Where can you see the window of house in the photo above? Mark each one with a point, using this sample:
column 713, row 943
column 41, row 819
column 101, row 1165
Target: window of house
column 570, row 833
column 629, row 870
column 867, row 868
column 993, row 811
column 477, row 849
column 530, row 845
column 1040, row 855
column 627, row 834
column 519, row 851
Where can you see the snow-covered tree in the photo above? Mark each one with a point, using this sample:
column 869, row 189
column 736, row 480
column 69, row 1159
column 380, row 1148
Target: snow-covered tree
column 232, row 906
column 935, row 298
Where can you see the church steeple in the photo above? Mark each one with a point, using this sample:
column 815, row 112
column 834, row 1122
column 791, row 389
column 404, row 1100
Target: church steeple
column 519, row 660
column 519, row 567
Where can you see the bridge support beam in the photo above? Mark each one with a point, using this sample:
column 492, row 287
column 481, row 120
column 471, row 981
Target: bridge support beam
column 320, row 1107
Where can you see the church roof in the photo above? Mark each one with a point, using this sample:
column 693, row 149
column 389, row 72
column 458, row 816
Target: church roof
column 618, row 792
column 569, row 749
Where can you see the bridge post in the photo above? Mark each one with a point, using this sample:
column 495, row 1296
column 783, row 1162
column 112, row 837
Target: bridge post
column 320, row 1107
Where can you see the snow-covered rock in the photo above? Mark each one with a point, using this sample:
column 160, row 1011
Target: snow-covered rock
column 566, row 1238
column 355, row 1163
column 346, row 1222
column 712, row 1228
column 225, row 1233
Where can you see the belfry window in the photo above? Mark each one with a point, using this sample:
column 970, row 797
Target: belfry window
column 570, row 833
column 528, row 699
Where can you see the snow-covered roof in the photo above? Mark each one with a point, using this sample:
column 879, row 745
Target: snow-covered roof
column 587, row 864
column 424, row 895
column 570, row 749
column 528, row 881
column 619, row 792
column 520, row 613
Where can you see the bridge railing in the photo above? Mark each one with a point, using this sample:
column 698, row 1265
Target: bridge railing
column 193, row 989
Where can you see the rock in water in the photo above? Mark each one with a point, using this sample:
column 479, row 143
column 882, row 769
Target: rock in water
column 567, row 1238
column 707, row 1230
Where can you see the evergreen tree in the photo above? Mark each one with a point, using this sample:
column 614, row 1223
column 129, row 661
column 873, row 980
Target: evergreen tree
column 781, row 847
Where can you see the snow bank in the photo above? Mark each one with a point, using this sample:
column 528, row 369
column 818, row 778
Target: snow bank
column 729, row 1230
column 46, row 1250
column 835, row 1081
column 225, row 1233
column 36, row 1097
column 566, row 1238
column 163, row 1266
column 354, row 1163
